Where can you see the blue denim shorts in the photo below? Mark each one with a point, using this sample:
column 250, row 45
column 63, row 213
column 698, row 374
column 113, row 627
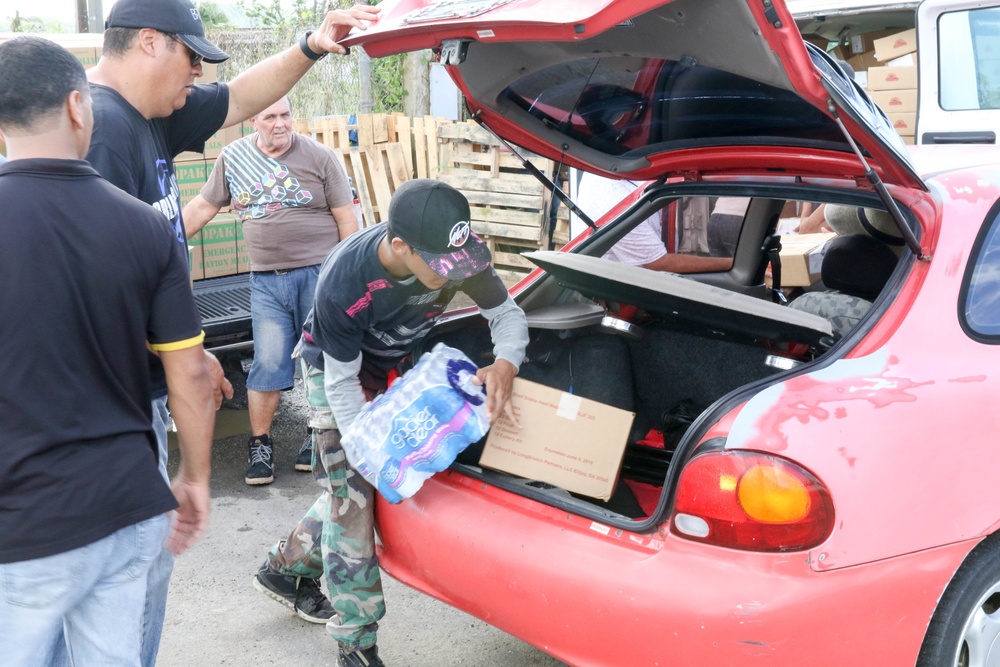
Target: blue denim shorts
column 279, row 303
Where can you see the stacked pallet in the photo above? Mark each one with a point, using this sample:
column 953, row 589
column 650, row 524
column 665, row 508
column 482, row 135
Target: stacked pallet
column 509, row 205
column 388, row 150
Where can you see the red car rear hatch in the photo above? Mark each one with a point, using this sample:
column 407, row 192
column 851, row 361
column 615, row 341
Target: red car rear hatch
column 645, row 89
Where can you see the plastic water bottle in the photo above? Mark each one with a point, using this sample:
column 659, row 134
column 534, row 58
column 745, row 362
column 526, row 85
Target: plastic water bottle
column 418, row 427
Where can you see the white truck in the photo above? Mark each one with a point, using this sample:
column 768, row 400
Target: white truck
column 958, row 57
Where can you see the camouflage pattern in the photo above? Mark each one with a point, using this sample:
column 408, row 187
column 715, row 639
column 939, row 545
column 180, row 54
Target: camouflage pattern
column 320, row 415
column 336, row 537
column 841, row 310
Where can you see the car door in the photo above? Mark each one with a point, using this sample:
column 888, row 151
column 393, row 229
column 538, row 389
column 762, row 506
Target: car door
column 959, row 72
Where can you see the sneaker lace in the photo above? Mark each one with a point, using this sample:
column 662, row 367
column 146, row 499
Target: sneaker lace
column 306, row 444
column 309, row 590
column 260, row 453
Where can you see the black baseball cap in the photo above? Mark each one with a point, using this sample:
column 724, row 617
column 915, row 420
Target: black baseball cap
column 178, row 17
column 433, row 218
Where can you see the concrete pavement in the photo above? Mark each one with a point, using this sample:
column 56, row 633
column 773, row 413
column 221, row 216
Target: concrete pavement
column 215, row 616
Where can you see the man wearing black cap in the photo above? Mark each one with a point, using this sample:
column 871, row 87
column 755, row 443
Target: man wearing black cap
column 379, row 293
column 147, row 110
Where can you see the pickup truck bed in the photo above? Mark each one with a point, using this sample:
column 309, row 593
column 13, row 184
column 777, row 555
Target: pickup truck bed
column 224, row 305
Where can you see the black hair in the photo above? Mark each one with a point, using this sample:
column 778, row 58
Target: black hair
column 117, row 41
column 36, row 77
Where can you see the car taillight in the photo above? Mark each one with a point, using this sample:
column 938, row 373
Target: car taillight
column 751, row 501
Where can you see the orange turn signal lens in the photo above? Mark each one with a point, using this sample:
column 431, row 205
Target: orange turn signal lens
column 769, row 493
column 751, row 500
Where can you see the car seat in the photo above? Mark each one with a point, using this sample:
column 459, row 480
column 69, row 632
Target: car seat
column 855, row 267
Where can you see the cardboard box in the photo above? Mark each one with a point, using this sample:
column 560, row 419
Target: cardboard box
column 904, row 123
column 896, row 45
column 802, row 258
column 909, row 140
column 892, row 78
column 221, row 139
column 195, row 259
column 242, row 253
column 896, row 101
column 218, row 245
column 571, row 442
column 865, row 42
column 191, row 176
column 862, row 62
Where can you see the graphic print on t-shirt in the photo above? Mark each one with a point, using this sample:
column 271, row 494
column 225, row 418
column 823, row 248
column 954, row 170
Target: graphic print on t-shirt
column 260, row 184
column 169, row 203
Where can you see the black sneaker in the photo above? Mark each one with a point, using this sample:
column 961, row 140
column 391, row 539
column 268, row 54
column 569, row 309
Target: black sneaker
column 301, row 595
column 261, row 461
column 304, row 461
column 363, row 657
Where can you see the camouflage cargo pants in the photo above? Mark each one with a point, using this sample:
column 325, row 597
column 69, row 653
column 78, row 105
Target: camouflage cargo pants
column 336, row 537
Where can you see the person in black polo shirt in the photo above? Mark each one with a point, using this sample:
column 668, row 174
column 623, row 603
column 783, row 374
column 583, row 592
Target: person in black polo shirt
column 92, row 278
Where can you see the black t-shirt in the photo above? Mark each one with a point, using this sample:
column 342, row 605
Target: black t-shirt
column 137, row 154
column 89, row 275
column 359, row 308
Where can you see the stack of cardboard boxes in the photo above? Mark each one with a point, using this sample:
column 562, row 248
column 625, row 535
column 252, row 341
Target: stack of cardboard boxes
column 893, row 84
column 218, row 250
column 885, row 63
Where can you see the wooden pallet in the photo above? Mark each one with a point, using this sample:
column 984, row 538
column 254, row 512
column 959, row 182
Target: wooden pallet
column 376, row 171
column 509, row 205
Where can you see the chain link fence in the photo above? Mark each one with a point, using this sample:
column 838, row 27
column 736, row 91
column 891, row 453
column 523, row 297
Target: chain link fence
column 333, row 86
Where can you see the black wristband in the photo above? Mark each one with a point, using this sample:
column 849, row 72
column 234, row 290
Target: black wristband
column 306, row 51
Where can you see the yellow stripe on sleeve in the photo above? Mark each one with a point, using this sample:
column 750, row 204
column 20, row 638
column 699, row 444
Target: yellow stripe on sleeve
column 178, row 345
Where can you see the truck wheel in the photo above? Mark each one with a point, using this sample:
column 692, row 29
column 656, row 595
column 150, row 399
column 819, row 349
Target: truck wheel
column 965, row 628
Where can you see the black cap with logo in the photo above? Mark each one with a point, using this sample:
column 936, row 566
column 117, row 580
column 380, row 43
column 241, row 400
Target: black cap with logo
column 432, row 217
column 178, row 17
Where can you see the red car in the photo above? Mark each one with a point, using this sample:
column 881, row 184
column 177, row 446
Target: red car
column 805, row 483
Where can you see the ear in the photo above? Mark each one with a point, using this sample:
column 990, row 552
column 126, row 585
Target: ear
column 400, row 247
column 148, row 41
column 75, row 109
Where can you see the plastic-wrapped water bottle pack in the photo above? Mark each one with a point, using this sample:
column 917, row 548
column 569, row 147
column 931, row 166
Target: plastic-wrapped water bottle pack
column 419, row 425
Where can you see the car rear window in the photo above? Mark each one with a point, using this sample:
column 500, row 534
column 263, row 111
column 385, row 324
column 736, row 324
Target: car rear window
column 623, row 104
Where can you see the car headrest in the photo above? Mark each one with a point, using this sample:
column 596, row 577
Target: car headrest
column 858, row 265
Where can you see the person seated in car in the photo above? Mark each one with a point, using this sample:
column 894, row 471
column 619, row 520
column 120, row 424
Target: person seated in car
column 856, row 265
column 643, row 246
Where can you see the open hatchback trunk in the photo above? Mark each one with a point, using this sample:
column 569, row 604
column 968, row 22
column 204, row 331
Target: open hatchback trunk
column 699, row 102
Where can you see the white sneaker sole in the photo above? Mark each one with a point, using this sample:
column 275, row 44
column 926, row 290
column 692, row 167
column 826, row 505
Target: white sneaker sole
column 285, row 603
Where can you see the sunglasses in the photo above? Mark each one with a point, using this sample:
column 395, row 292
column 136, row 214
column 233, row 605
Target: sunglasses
column 194, row 57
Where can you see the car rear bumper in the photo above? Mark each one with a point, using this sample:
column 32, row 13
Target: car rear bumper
column 591, row 595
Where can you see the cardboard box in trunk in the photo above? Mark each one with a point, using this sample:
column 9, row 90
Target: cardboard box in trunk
column 568, row 441
column 802, row 258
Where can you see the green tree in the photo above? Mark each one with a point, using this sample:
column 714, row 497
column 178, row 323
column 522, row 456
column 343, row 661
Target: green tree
column 212, row 15
column 33, row 24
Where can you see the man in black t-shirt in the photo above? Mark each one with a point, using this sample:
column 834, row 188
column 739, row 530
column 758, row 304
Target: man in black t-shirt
column 90, row 276
column 147, row 110
column 379, row 293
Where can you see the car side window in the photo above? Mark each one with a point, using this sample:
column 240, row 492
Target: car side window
column 979, row 304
